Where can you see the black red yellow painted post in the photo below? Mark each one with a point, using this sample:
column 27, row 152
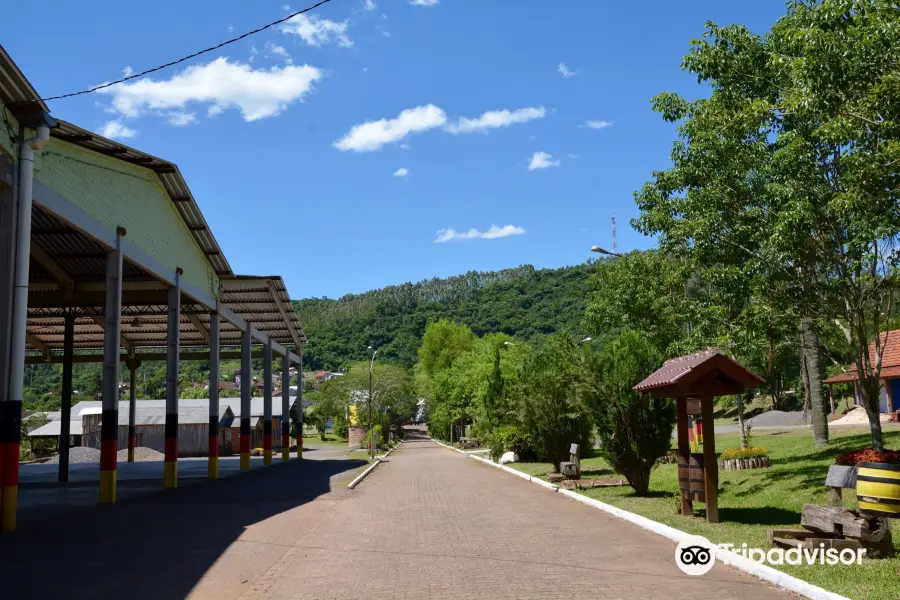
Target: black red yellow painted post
column 10, row 428
column 214, row 328
column 112, row 341
column 285, row 407
column 109, row 447
column 246, row 388
column 173, row 345
column 299, row 405
column 267, row 403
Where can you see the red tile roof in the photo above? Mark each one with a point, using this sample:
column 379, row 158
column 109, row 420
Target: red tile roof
column 675, row 369
column 890, row 359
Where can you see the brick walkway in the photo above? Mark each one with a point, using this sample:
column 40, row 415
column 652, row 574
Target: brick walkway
column 434, row 524
column 429, row 523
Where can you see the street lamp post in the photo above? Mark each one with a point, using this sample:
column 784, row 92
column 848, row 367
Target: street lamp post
column 600, row 250
column 371, row 434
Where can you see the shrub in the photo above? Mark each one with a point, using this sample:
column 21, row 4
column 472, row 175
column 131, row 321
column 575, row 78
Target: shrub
column 379, row 439
column 742, row 453
column 851, row 459
column 634, row 429
column 508, row 438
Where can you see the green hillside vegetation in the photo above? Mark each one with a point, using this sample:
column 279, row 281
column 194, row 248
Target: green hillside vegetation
column 523, row 302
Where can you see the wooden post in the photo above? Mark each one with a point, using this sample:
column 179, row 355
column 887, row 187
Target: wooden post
column 684, row 451
column 710, row 464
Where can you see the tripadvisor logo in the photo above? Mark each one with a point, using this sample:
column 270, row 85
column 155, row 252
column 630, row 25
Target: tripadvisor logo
column 696, row 555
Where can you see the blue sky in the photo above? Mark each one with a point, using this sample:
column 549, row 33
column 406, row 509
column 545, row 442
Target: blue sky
column 385, row 141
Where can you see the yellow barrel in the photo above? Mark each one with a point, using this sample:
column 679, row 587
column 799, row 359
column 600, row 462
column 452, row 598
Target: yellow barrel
column 878, row 490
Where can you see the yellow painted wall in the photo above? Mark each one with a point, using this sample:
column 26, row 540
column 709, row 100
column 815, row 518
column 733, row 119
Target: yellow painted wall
column 117, row 193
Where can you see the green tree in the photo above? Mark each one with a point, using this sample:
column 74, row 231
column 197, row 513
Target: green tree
column 646, row 291
column 554, row 410
column 634, row 429
column 786, row 173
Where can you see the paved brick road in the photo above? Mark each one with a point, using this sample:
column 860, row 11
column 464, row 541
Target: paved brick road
column 430, row 523
column 434, row 524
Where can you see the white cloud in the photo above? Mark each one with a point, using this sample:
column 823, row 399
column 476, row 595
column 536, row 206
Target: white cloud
column 116, row 130
column 128, row 71
column 286, row 7
column 424, row 2
column 369, row 5
column 565, row 72
column 401, row 172
column 316, row 31
column 181, row 118
column 450, row 234
column 385, row 32
column 496, row 118
column 258, row 93
column 372, row 135
column 280, row 52
column 597, row 124
column 405, row 146
column 542, row 160
column 231, row 29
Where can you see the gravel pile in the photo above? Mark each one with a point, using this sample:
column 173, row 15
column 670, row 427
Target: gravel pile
column 142, row 454
column 79, row 455
column 778, row 418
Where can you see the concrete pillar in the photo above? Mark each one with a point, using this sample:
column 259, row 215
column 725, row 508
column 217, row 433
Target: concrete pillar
column 299, row 406
column 213, row 468
column 267, row 403
column 66, row 393
column 285, row 408
column 132, row 406
column 112, row 339
column 9, row 425
column 173, row 344
column 246, row 391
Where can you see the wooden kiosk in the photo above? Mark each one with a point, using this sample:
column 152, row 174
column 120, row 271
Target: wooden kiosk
column 693, row 381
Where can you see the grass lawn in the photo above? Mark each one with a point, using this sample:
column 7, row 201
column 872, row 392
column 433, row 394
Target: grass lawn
column 754, row 501
column 316, row 440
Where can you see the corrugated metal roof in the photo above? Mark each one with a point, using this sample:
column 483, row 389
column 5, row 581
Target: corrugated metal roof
column 14, row 87
column 264, row 302
column 54, row 429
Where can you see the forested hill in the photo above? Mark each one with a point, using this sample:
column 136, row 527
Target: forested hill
column 522, row 302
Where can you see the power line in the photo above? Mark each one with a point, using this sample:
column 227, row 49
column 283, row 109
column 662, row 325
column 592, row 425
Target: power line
column 190, row 56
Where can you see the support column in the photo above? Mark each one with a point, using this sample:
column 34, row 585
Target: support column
column 112, row 339
column 8, row 195
column 173, row 344
column 213, row 468
column 267, row 403
column 133, row 365
column 299, row 405
column 66, row 393
column 246, row 390
column 285, row 408
column 684, row 453
column 710, row 464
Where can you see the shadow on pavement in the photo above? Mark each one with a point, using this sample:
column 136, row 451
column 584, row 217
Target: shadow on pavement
column 156, row 546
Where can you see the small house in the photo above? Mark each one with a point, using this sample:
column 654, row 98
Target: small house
column 889, row 396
